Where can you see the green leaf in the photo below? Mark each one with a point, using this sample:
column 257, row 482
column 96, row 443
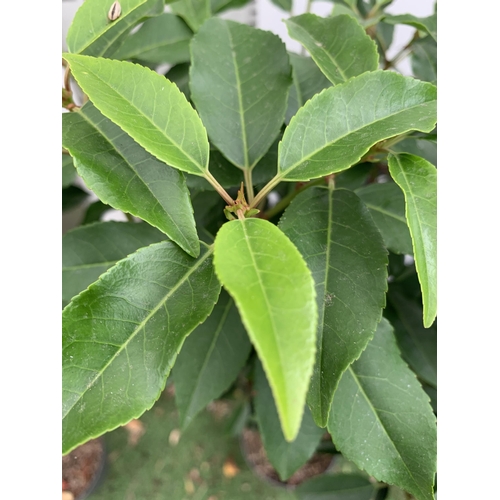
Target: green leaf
column 418, row 344
column 95, row 211
column 418, row 146
column 327, row 135
column 418, row 180
column 223, row 5
column 285, row 5
column 308, row 80
column 336, row 487
column 164, row 123
column 344, row 250
column 179, row 74
column 427, row 24
column 381, row 418
column 73, row 196
column 88, row 251
column 194, row 12
column 121, row 336
column 162, row 39
column 125, row 176
column 285, row 457
column 93, row 34
column 68, row 170
column 424, row 59
column 339, row 45
column 354, row 177
column 210, row 360
column 239, row 82
column 387, row 207
column 274, row 292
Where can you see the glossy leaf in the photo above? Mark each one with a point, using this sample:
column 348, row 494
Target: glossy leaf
column 387, row 206
column 239, row 82
column 125, row 176
column 68, row 171
column 93, row 34
column 88, row 251
column 152, row 110
column 308, row 80
column 162, row 39
column 285, row 457
column 339, row 45
column 424, row 60
column 121, row 336
column 344, row 250
column 427, row 24
column 418, row 180
column 337, row 127
column 336, row 487
column 418, row 344
column 210, row 359
column 194, row 12
column 381, row 418
column 274, row 292
column 285, row 5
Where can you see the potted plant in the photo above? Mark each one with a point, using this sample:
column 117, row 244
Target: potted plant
column 287, row 230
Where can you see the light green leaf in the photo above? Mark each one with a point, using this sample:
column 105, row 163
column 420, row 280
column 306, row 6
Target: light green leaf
column 339, row 45
column 210, row 359
column 337, row 127
column 93, row 34
column 194, row 12
column 387, row 207
column 88, row 251
column 344, row 250
column 424, row 60
column 274, row 292
column 427, row 24
column 285, row 5
column 285, row 457
column 162, row 39
column 125, row 176
column 381, row 418
column 308, row 80
column 68, row 170
column 418, row 344
column 121, row 336
column 418, row 180
column 336, row 487
column 239, row 82
column 152, row 110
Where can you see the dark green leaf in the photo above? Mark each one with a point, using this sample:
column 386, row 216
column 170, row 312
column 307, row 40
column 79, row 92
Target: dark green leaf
column 95, row 211
column 210, row 359
column 162, row 39
column 239, row 82
column 354, row 177
column 223, row 5
column 126, row 177
column 381, row 418
column 285, row 457
column 285, row 5
column 327, row 135
column 92, row 33
column 88, row 251
column 418, row 146
column 151, row 109
column 179, row 74
column 427, row 24
column 73, row 196
column 308, row 80
column 418, row 180
column 418, row 344
column 424, row 59
column 336, row 487
column 274, row 292
column 386, row 203
column 121, row 336
column 194, row 12
column 339, row 45
column 344, row 250
column 68, row 171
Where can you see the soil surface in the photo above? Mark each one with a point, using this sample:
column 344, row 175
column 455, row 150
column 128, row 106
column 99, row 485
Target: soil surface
column 256, row 457
column 80, row 467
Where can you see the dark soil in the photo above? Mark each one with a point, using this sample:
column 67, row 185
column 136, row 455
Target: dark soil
column 256, row 457
column 80, row 468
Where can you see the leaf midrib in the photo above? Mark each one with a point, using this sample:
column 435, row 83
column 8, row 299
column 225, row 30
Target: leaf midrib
column 141, row 325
